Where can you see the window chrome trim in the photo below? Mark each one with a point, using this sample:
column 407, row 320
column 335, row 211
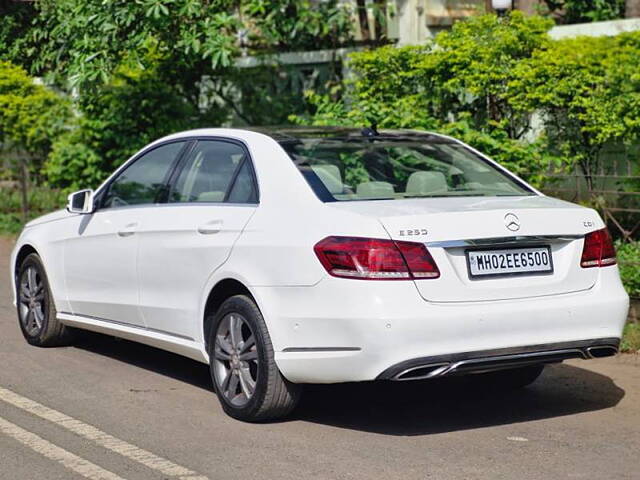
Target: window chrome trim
column 506, row 241
column 104, row 188
column 189, row 141
column 186, row 204
column 172, row 180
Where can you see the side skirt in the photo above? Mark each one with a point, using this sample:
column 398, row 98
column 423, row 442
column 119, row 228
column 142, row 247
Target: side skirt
column 165, row 341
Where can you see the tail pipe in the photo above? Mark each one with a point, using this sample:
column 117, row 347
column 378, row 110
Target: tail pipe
column 487, row 361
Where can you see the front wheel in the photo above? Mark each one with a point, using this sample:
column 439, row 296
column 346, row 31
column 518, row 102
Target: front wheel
column 246, row 378
column 36, row 310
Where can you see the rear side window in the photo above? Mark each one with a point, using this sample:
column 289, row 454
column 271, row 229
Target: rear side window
column 243, row 189
column 389, row 168
column 209, row 173
column 142, row 182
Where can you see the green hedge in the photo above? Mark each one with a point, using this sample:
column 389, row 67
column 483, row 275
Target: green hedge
column 505, row 87
column 629, row 262
column 41, row 200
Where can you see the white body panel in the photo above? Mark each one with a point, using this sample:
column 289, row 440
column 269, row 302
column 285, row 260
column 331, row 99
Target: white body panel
column 100, row 265
column 180, row 246
column 152, row 285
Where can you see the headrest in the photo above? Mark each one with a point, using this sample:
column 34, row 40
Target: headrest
column 423, row 183
column 375, row 189
column 330, row 176
column 211, row 197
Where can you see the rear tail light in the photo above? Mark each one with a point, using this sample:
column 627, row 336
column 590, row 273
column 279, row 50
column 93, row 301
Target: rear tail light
column 375, row 259
column 598, row 250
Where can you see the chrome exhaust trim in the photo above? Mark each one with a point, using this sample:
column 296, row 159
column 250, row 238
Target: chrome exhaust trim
column 491, row 360
column 422, row 372
column 487, row 364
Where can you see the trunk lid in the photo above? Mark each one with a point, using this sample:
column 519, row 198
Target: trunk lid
column 452, row 226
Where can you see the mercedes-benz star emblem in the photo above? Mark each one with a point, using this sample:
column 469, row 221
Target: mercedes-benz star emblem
column 512, row 222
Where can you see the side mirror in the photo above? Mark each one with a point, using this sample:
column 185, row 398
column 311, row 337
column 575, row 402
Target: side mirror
column 80, row 202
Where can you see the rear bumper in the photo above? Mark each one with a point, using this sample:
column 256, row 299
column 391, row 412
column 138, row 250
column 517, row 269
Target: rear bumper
column 490, row 360
column 343, row 330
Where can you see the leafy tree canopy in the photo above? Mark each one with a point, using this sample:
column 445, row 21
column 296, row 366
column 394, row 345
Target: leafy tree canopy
column 588, row 91
column 85, row 41
column 504, row 87
column 582, row 11
column 30, row 114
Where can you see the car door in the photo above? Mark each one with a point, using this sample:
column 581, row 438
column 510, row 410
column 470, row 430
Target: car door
column 213, row 196
column 100, row 258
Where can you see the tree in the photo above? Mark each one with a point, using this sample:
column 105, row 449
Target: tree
column 582, row 11
column 133, row 109
column 85, row 41
column 16, row 22
column 458, row 84
column 588, row 92
column 31, row 116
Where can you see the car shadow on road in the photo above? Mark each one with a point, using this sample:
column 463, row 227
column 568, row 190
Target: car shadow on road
column 150, row 358
column 458, row 403
column 402, row 408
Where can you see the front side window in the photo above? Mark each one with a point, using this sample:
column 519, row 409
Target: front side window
column 211, row 174
column 388, row 168
column 142, row 182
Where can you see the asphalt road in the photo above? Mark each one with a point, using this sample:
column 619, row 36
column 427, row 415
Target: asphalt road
column 112, row 409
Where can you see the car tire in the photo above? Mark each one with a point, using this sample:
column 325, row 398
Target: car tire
column 36, row 309
column 243, row 370
column 514, row 378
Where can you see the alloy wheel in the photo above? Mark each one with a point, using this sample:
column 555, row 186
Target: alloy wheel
column 235, row 358
column 32, row 301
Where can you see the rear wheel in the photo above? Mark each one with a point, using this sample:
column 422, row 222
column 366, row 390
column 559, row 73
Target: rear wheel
column 36, row 309
column 247, row 381
column 514, row 378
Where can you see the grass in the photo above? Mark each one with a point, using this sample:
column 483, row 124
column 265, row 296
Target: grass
column 631, row 338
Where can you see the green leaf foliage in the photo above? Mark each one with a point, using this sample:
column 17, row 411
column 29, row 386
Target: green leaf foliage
column 31, row 115
column 582, row 11
column 588, row 91
column 503, row 86
column 86, row 41
column 135, row 108
column 629, row 264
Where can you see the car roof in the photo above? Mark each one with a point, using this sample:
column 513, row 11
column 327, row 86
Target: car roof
column 295, row 134
column 288, row 133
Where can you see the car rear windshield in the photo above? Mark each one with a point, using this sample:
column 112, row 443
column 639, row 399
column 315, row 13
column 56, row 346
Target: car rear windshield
column 394, row 168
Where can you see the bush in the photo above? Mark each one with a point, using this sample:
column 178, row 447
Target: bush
column 115, row 121
column 504, row 87
column 458, row 85
column 629, row 264
column 582, row 11
column 41, row 200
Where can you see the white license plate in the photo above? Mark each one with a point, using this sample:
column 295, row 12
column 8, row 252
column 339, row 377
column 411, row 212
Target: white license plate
column 509, row 261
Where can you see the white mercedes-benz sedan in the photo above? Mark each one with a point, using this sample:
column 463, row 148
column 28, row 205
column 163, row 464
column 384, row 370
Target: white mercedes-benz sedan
column 321, row 255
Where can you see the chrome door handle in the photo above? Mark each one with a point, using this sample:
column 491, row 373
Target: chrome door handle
column 128, row 230
column 211, row 227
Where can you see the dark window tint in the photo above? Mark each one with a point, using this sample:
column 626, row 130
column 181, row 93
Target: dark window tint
column 142, row 181
column 208, row 172
column 243, row 190
column 389, row 168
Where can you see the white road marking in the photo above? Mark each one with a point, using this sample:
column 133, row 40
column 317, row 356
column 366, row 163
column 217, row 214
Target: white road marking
column 55, row 453
column 99, row 437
